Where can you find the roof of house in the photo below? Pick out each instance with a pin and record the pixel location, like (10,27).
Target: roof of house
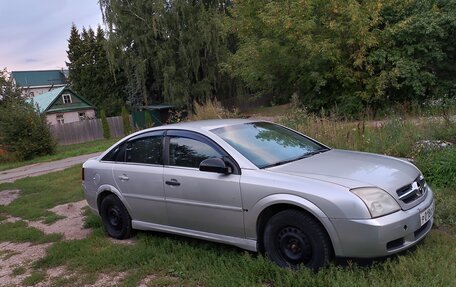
(39,78)
(46,101)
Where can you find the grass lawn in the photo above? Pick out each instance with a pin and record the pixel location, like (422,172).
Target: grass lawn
(63,152)
(170,260)
(176,261)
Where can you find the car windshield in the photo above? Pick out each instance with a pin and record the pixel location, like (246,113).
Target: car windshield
(266,144)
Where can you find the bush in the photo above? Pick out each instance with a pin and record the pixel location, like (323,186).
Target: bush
(23,132)
(104,123)
(148,119)
(126,121)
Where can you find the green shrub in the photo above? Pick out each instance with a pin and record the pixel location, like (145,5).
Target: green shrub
(148,119)
(439,167)
(104,123)
(126,121)
(23,132)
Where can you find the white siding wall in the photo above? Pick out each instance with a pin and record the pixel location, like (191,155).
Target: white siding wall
(70,117)
(38,91)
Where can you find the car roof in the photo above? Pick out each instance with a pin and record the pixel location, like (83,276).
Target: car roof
(206,125)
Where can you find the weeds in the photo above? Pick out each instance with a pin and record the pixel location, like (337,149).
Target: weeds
(211,109)
(34,278)
(395,137)
(18,271)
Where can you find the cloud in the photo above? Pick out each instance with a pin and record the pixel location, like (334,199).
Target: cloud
(35,33)
(32,60)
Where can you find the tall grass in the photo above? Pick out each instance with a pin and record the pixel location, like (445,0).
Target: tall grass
(395,136)
(211,109)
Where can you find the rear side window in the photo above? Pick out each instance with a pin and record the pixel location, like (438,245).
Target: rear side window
(146,150)
(117,154)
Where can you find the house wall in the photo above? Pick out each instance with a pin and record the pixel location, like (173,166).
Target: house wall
(38,90)
(70,117)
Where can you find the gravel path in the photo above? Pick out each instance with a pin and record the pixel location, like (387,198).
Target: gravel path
(42,168)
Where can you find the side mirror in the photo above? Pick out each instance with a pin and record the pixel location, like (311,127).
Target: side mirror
(214,164)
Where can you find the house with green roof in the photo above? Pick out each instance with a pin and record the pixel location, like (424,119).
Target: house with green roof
(63,105)
(38,82)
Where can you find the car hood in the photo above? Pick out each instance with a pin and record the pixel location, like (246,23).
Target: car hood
(353,169)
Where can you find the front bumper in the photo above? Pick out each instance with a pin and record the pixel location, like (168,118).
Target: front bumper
(383,236)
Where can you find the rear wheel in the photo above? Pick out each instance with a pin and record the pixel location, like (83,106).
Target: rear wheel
(115,217)
(293,239)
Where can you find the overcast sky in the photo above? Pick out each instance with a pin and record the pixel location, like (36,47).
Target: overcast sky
(34,33)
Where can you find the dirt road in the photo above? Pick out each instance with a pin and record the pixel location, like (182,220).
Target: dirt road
(42,168)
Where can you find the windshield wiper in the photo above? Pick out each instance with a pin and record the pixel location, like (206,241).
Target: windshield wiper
(315,152)
(309,154)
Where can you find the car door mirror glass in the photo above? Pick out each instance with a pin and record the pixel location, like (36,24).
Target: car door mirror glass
(214,164)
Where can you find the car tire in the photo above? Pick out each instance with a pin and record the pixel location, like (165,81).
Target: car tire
(293,239)
(115,217)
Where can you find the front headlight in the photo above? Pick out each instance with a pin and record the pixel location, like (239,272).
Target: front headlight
(378,201)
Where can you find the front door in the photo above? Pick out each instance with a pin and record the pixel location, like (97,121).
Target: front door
(197,200)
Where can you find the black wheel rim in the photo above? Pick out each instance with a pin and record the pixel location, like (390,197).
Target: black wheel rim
(114,217)
(294,246)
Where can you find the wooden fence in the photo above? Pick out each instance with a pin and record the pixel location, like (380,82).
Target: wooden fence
(84,131)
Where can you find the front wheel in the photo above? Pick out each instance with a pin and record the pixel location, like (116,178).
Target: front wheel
(293,239)
(115,217)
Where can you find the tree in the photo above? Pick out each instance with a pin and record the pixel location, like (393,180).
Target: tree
(126,121)
(23,131)
(90,72)
(75,56)
(346,53)
(170,50)
(105,125)
(8,91)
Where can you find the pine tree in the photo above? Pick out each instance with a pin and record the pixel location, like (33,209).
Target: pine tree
(105,125)
(126,121)
(90,72)
(74,53)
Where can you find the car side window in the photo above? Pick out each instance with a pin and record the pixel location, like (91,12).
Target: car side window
(117,154)
(146,150)
(188,152)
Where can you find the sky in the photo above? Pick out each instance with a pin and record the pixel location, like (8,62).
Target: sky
(34,33)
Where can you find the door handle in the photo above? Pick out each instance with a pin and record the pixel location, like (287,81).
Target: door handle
(172,182)
(123,177)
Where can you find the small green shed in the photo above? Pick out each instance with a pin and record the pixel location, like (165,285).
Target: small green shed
(159,115)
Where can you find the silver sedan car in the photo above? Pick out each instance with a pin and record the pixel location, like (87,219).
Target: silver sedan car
(262,187)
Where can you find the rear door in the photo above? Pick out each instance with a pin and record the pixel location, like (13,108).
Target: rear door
(197,200)
(140,177)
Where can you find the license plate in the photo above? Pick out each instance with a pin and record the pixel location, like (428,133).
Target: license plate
(426,215)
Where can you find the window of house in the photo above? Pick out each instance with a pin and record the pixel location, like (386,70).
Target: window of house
(60,119)
(82,116)
(189,152)
(66,98)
